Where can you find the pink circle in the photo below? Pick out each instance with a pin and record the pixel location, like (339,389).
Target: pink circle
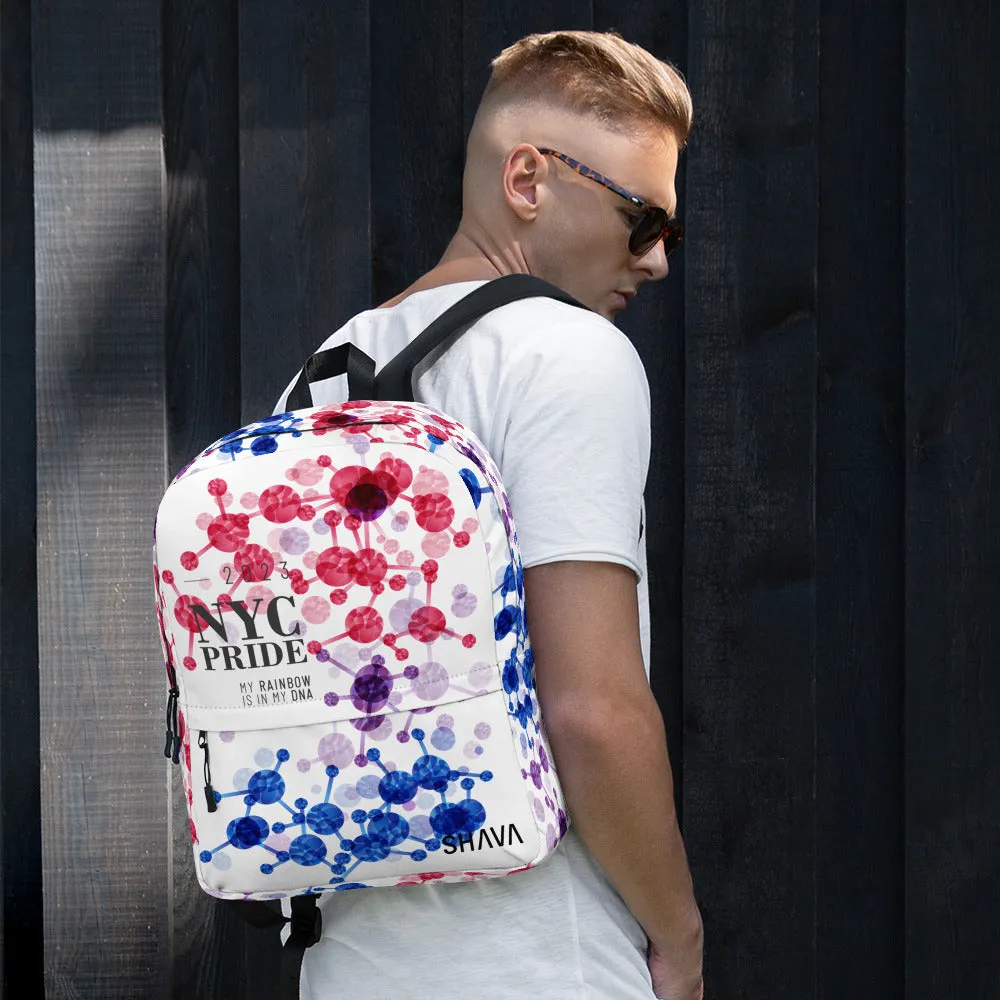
(227,532)
(279,504)
(391,547)
(405,558)
(370,567)
(335,566)
(249,501)
(364,624)
(433,511)
(185,616)
(307,472)
(310,559)
(470,525)
(202,521)
(315,610)
(436,545)
(258,592)
(426,624)
(430,481)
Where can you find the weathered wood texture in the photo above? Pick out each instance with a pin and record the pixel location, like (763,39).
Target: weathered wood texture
(859,499)
(218,186)
(749,514)
(20,816)
(952,509)
(100,399)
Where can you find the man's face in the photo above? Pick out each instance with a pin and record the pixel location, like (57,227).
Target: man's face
(582,243)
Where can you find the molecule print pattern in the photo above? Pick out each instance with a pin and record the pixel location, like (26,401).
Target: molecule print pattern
(340,598)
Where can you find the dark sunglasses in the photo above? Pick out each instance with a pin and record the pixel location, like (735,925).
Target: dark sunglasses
(651,226)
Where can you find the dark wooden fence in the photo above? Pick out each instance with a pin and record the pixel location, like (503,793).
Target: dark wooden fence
(195,192)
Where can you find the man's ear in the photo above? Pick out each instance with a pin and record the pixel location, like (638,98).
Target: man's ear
(524,170)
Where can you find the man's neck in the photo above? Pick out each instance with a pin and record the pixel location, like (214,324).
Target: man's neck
(464,260)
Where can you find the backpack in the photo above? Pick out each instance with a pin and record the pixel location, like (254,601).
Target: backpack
(351,689)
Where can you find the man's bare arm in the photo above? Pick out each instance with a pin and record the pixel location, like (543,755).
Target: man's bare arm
(601,719)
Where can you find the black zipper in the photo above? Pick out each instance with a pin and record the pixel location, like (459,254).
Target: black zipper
(172,746)
(207,770)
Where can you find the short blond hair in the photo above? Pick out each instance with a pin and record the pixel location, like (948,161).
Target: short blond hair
(595,73)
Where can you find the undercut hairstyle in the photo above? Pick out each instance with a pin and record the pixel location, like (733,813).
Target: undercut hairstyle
(594,73)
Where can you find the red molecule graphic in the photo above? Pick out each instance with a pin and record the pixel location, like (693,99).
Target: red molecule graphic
(217,487)
(364,624)
(168,576)
(332,518)
(189,560)
(324,461)
(468,641)
(184,615)
(364,492)
(426,624)
(279,504)
(397,582)
(189,663)
(461,539)
(338,596)
(434,511)
(228,531)
(253,563)
(397,469)
(369,567)
(306,512)
(329,419)
(336,566)
(351,523)
(314,647)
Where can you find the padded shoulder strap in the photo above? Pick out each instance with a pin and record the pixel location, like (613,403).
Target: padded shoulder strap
(395,381)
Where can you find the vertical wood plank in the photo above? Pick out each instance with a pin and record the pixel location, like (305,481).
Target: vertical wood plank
(304,183)
(201,152)
(20,819)
(749,584)
(654,322)
(489,27)
(859,503)
(99,301)
(952,841)
(210,946)
(417,139)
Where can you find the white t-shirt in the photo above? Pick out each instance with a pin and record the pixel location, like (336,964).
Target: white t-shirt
(560,399)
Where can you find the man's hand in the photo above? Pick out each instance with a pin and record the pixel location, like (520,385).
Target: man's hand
(670,983)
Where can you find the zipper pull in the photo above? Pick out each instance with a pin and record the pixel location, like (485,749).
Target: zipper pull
(209,791)
(169,748)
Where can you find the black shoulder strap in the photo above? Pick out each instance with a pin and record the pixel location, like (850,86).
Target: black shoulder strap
(306,928)
(395,380)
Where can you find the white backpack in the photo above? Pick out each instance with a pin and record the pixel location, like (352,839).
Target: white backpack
(340,597)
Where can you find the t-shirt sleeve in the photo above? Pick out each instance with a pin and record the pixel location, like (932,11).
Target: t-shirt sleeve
(576,446)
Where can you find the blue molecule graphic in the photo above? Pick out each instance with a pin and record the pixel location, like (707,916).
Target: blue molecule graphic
(324,818)
(247,832)
(266,787)
(317,828)
(397,787)
(307,850)
(432,773)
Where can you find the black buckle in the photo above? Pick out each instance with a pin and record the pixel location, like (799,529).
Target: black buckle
(306,922)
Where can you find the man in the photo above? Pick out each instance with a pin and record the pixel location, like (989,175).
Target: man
(560,399)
